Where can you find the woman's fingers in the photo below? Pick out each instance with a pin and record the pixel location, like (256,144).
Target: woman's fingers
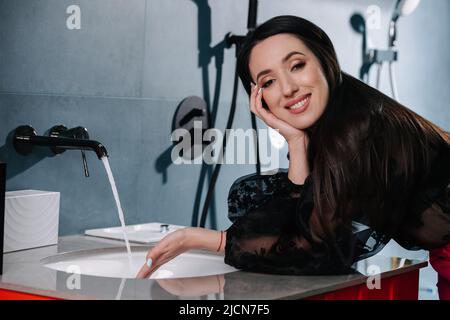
(253,95)
(263,113)
(151,263)
(144,272)
(257,108)
(166,249)
(163,258)
(146,269)
(285,129)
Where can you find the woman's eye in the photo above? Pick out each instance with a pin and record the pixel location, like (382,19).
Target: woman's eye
(267,83)
(298,66)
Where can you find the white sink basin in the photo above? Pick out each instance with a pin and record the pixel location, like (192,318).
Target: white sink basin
(114,263)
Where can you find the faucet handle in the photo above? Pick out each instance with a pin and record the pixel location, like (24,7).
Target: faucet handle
(74,133)
(85,166)
(21,140)
(56,131)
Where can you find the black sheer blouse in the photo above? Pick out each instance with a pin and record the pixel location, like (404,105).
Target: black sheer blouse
(275,230)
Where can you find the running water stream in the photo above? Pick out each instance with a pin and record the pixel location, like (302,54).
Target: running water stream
(119,206)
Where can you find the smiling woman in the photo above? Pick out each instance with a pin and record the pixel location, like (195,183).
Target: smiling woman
(292,79)
(356,155)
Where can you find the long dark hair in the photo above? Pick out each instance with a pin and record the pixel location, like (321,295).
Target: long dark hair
(367,151)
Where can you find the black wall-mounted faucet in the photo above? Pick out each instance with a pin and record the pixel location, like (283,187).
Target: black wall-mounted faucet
(59,140)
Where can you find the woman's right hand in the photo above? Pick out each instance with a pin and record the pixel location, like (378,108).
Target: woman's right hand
(180,241)
(291,134)
(169,247)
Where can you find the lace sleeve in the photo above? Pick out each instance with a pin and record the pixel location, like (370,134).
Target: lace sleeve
(280,236)
(251,191)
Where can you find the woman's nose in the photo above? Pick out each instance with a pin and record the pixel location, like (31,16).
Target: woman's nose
(288,86)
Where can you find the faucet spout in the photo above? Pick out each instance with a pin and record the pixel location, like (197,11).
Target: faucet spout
(64,143)
(25,138)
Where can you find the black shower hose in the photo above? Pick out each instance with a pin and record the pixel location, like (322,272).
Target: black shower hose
(218,165)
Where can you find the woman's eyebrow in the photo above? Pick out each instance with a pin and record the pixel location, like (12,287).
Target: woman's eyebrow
(290,54)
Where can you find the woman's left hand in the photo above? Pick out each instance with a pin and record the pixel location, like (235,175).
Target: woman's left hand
(291,134)
(168,248)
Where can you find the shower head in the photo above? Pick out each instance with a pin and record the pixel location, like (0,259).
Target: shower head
(404,8)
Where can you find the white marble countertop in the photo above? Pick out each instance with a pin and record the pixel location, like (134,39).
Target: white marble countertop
(23,271)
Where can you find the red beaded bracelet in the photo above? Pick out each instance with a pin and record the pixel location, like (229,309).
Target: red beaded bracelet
(221,239)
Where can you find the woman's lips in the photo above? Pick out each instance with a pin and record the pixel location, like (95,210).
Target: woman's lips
(301,108)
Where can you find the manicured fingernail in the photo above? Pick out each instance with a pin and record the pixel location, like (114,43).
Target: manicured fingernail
(260,90)
(149,262)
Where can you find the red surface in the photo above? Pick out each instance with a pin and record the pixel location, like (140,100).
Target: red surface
(440,261)
(16,295)
(401,287)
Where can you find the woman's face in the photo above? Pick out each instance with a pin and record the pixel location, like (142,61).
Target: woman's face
(294,86)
